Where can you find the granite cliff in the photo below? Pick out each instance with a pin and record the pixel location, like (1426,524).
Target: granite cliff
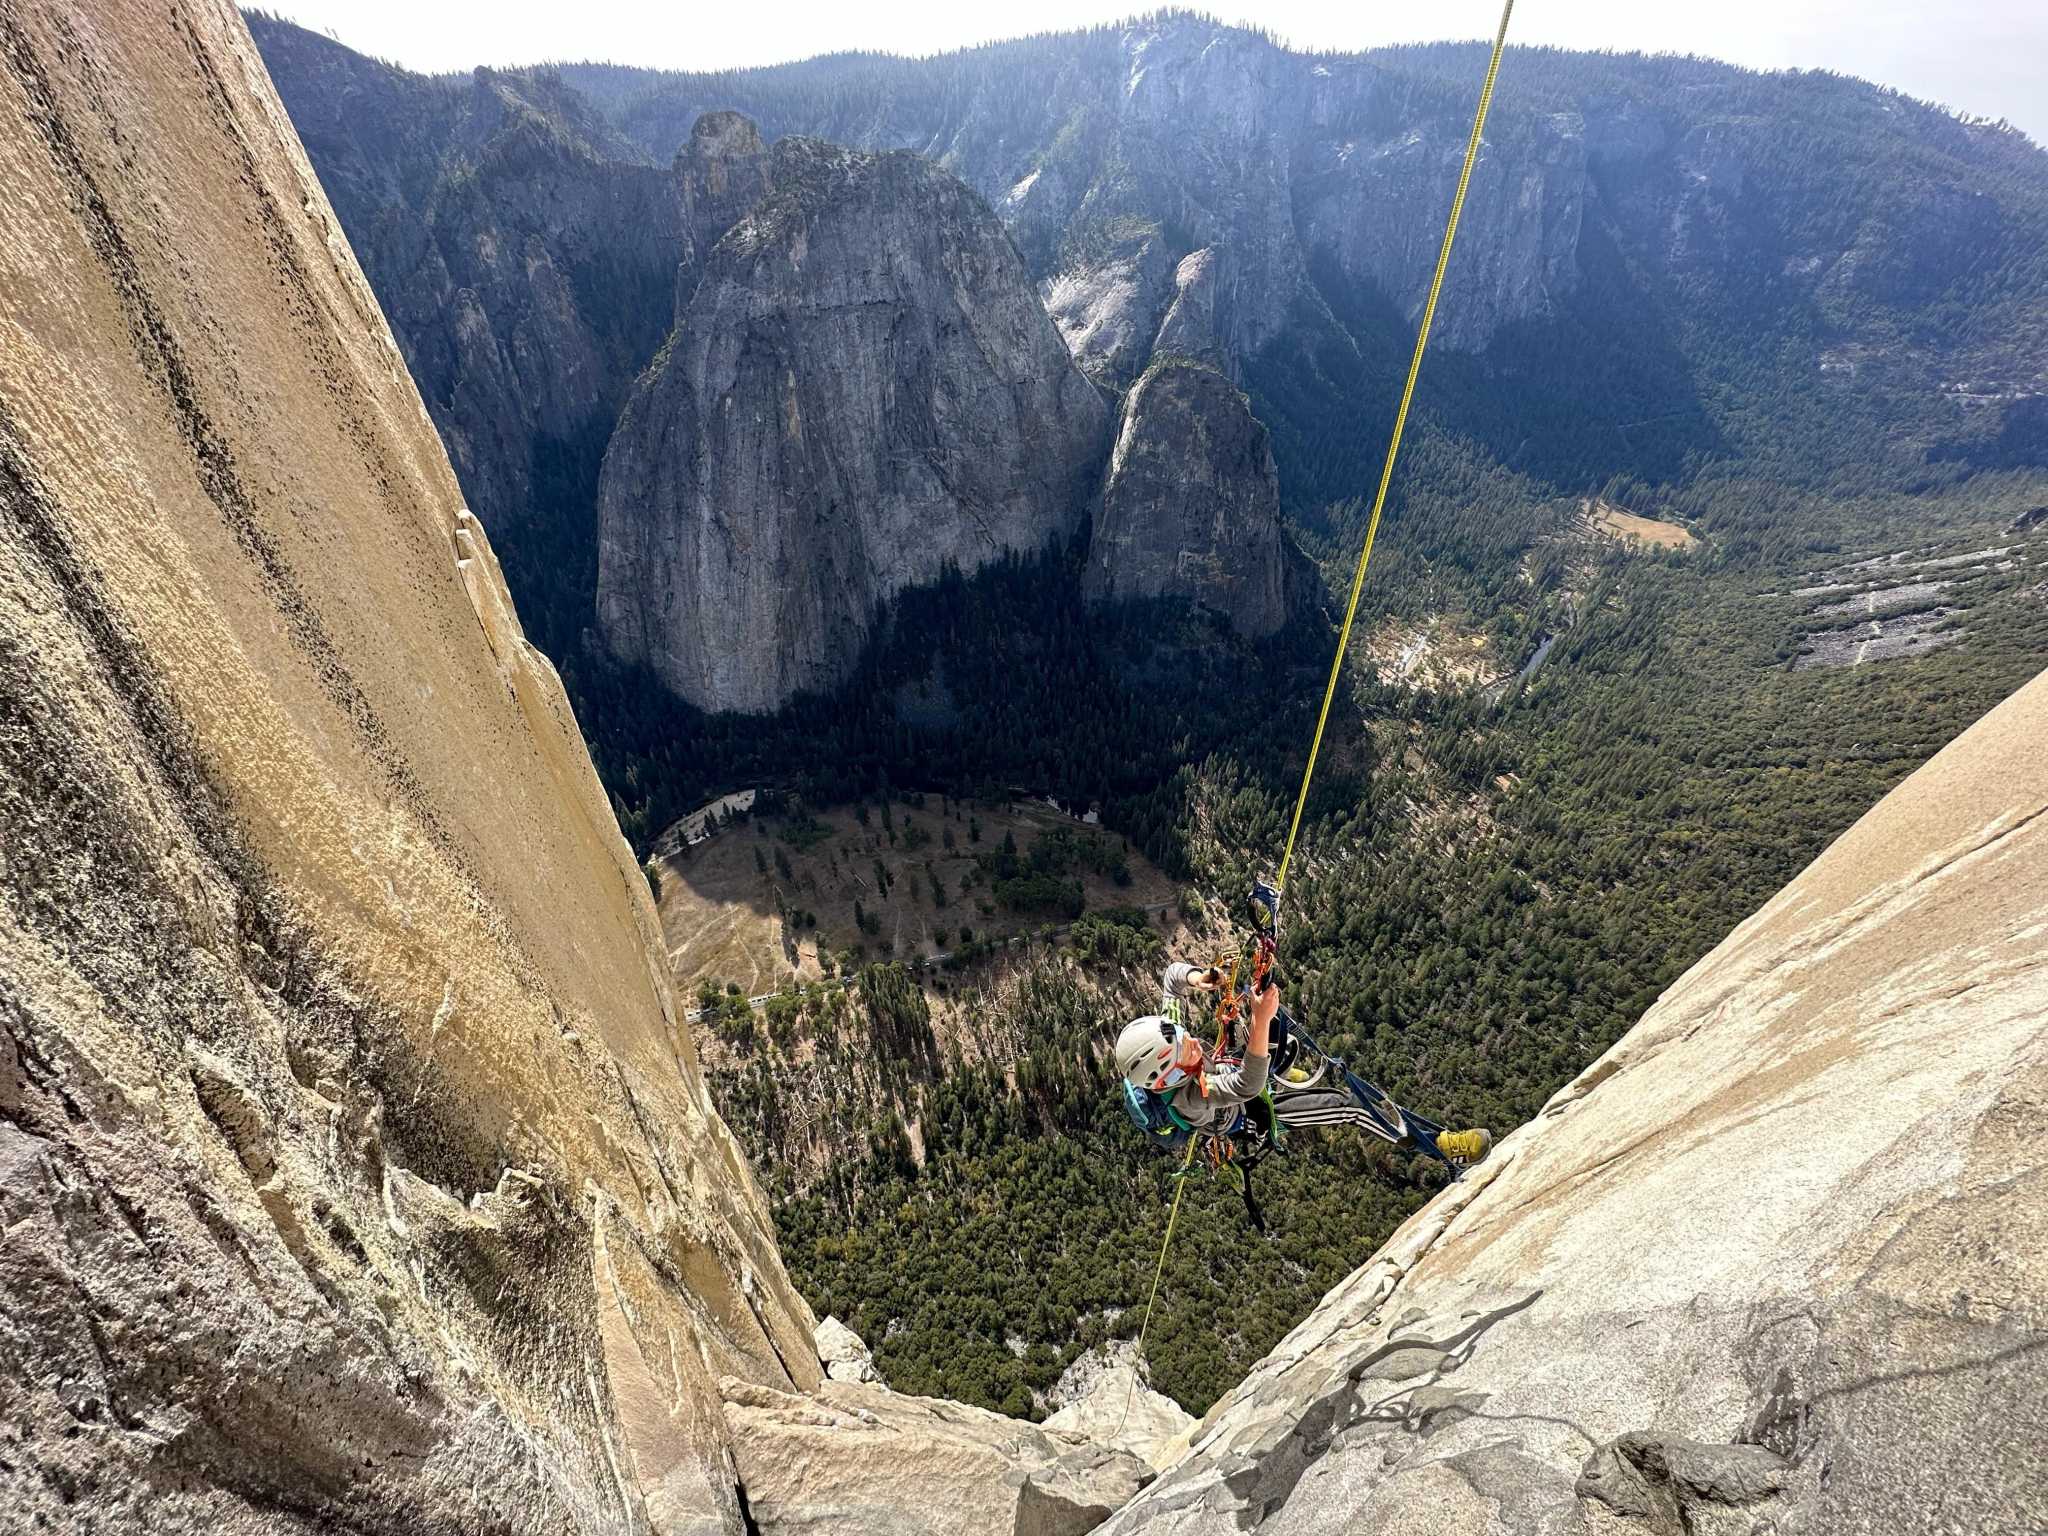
(1132,147)
(1711,213)
(524,254)
(355,1167)
(1773,1263)
(720,175)
(1191,505)
(861,392)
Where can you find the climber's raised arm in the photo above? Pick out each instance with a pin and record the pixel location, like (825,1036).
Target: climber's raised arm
(1182,979)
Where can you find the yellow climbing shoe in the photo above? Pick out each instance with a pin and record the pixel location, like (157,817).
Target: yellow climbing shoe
(1464,1147)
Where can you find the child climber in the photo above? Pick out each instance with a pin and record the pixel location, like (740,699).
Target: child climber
(1163,1059)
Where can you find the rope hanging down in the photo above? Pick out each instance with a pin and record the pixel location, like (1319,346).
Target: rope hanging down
(1372,528)
(1172,1215)
(1379,501)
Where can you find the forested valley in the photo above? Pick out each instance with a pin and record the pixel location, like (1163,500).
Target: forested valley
(1734,519)
(1497,881)
(1496,884)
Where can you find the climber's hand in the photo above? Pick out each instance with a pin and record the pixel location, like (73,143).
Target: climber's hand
(1265,1003)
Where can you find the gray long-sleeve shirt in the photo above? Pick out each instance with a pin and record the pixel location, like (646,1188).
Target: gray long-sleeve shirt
(1229,1087)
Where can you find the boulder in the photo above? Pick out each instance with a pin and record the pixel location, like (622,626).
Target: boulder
(844,1356)
(860,1460)
(1778,1261)
(1103,1398)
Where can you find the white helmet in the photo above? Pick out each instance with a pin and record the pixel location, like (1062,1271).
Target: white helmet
(1146,1048)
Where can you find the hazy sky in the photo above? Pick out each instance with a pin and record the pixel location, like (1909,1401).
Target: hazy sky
(1986,57)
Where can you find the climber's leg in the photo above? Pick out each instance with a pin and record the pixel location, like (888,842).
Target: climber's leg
(1333,1104)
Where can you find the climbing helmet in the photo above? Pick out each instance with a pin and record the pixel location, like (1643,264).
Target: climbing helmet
(1148,1053)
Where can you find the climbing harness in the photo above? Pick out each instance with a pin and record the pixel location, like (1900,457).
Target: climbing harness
(1265,897)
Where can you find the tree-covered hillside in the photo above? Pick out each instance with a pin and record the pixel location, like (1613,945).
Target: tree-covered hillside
(1493,892)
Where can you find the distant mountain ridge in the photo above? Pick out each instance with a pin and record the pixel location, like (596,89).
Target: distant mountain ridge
(1672,274)
(1895,251)
(1869,228)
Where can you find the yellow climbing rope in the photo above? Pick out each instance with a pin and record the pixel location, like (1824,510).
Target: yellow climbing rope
(1379,501)
(1172,1215)
(1372,528)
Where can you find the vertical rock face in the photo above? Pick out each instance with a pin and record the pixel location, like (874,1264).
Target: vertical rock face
(1138,303)
(1206,117)
(1190,156)
(1107,312)
(720,174)
(1778,1261)
(525,255)
(862,391)
(1372,206)
(1191,507)
(355,1170)
(1189,328)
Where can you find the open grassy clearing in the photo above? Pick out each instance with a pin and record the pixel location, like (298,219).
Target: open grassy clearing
(783,897)
(1436,654)
(1611,521)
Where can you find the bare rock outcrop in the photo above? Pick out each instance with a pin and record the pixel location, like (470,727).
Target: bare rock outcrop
(1102,1396)
(843,1354)
(720,175)
(1191,506)
(1189,328)
(862,392)
(1778,1261)
(1108,310)
(860,1460)
(356,1172)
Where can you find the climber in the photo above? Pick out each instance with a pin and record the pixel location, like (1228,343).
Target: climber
(1175,1088)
